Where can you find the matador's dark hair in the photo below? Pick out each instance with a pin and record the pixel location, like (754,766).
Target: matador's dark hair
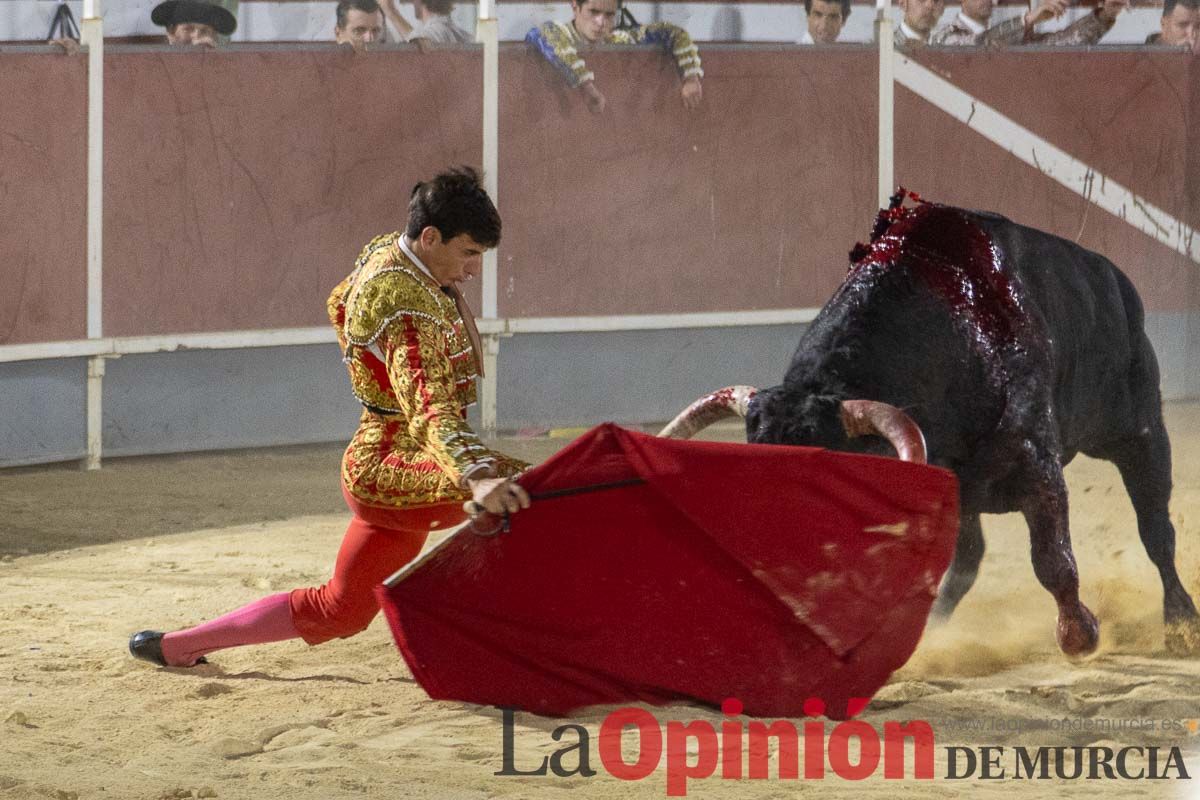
(454,202)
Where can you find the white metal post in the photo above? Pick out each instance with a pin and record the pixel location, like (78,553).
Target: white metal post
(887,168)
(487,33)
(487,386)
(92,35)
(95,417)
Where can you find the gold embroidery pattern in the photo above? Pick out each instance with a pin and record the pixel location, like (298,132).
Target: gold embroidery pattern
(384,466)
(408,354)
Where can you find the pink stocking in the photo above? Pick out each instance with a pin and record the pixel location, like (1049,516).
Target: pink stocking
(265,620)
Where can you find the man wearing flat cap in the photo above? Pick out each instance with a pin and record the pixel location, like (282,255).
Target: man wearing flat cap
(193,22)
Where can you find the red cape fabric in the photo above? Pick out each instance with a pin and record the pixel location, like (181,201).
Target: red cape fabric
(766,573)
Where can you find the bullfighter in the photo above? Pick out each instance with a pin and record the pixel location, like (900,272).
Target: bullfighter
(413,355)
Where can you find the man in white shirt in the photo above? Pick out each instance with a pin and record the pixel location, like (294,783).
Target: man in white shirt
(359,23)
(433,22)
(824,20)
(1180,25)
(920,17)
(971,25)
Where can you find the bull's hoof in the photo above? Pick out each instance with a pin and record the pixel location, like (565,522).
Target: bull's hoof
(1183,637)
(1078,631)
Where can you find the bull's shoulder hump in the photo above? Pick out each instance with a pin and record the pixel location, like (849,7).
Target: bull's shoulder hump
(1020,239)
(990,216)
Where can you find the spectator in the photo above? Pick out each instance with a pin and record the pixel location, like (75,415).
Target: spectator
(825,19)
(433,22)
(560,43)
(193,22)
(1180,25)
(359,23)
(970,27)
(920,17)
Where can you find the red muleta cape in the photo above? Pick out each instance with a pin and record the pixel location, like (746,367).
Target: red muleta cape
(767,573)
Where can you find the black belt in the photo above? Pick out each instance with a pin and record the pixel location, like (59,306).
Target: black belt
(381,412)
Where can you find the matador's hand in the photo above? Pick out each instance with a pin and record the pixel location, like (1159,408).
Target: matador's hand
(499,495)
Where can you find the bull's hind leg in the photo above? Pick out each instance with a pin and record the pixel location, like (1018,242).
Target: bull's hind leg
(1045,511)
(1145,465)
(968,552)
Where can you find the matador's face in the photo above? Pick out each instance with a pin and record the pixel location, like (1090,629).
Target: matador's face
(451,261)
(595,19)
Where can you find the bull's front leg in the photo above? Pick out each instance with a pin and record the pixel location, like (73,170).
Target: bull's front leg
(968,553)
(1045,512)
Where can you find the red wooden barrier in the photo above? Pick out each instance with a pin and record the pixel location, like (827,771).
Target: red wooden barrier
(1125,114)
(43,195)
(240,185)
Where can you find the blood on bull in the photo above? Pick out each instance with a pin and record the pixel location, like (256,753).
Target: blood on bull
(1006,351)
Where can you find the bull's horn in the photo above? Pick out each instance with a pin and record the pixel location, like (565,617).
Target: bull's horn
(732,401)
(866,417)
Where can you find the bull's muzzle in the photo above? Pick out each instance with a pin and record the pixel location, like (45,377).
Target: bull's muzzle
(859,418)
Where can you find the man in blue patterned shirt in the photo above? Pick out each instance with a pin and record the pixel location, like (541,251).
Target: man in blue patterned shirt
(593,23)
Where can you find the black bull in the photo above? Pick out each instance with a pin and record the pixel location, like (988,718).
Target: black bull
(1012,350)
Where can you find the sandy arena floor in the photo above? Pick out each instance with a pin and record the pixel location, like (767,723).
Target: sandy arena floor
(87,558)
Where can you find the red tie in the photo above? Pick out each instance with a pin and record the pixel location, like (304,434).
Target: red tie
(468,319)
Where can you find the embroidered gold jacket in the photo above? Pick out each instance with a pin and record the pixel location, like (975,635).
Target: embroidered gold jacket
(412,368)
(559,43)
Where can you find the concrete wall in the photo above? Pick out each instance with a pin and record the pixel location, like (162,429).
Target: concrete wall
(632,377)
(205,400)
(43,418)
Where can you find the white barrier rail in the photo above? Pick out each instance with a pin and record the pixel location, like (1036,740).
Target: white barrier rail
(1053,162)
(114,347)
(492,329)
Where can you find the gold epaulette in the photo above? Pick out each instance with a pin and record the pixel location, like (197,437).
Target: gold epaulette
(383,241)
(387,287)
